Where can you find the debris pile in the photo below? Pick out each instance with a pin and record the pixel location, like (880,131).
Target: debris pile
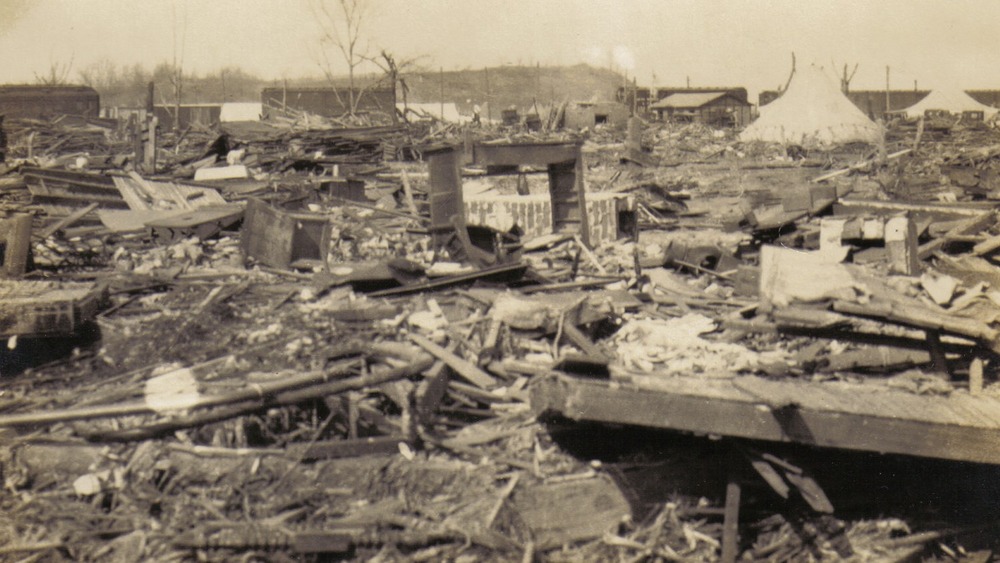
(288,338)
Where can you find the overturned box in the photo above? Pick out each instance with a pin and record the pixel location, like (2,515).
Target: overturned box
(281,239)
(39,308)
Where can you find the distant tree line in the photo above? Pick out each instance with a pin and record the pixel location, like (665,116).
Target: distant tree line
(126,85)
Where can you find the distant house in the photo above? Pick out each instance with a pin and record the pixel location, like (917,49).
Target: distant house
(34,101)
(327,101)
(190,114)
(590,114)
(738,91)
(718,109)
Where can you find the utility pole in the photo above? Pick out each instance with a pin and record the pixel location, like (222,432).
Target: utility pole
(635,95)
(489,104)
(538,79)
(887,107)
(442,93)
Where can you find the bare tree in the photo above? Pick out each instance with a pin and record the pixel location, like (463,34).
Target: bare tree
(58,73)
(341,24)
(845,79)
(177,74)
(394,73)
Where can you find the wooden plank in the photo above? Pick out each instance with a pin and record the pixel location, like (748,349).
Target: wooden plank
(15,245)
(987,246)
(732,412)
(66,221)
(860,206)
(463,368)
(526,154)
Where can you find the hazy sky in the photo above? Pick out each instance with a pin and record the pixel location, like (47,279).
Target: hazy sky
(714,42)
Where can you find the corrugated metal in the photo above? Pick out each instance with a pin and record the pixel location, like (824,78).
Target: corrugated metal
(533,214)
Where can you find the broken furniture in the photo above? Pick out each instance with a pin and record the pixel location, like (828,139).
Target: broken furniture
(283,239)
(568,209)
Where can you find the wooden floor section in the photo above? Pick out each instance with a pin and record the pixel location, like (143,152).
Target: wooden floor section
(857,416)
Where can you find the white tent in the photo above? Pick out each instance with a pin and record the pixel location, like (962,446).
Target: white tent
(812,111)
(951,100)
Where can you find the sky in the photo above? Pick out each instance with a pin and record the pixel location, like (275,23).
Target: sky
(660,42)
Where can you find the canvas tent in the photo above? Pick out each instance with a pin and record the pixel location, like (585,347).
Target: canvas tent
(812,111)
(951,100)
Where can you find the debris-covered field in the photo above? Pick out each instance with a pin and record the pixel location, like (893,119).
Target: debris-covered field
(303,339)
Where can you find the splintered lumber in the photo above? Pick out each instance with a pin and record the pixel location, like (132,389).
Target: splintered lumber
(104,411)
(923,318)
(969,226)
(463,368)
(859,166)
(333,449)
(288,397)
(848,415)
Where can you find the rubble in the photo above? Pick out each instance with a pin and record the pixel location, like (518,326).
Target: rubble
(300,337)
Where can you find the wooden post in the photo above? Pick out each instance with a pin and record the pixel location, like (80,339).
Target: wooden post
(901,244)
(938,358)
(442,93)
(731,522)
(149,137)
(888,107)
(489,105)
(976,376)
(149,155)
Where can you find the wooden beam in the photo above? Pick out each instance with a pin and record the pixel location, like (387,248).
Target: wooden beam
(467,370)
(889,421)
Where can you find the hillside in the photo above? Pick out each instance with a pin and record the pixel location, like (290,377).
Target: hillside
(518,86)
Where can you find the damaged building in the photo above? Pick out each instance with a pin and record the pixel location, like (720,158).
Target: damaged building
(38,101)
(329,101)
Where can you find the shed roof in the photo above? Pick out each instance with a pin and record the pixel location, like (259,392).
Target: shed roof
(686,100)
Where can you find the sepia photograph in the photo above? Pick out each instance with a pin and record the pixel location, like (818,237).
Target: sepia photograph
(474,281)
